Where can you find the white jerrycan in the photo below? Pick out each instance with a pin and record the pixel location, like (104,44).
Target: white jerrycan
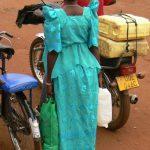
(104,107)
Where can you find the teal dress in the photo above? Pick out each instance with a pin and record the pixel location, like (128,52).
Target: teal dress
(75,74)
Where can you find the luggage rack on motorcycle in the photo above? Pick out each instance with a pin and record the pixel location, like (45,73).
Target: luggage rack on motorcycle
(118,62)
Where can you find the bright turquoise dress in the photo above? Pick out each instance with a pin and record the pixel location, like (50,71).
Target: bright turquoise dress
(75,74)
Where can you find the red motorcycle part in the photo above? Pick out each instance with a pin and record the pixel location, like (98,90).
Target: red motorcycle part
(127,69)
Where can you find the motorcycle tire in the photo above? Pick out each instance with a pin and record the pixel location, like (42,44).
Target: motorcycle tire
(124,112)
(36,46)
(120,104)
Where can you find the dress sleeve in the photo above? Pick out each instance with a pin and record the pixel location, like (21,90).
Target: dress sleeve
(93,34)
(51,30)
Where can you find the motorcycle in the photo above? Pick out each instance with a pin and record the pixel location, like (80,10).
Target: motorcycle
(118,75)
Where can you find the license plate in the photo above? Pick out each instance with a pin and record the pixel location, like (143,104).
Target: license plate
(127,82)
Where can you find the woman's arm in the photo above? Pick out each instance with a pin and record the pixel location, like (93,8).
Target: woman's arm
(95,52)
(51,59)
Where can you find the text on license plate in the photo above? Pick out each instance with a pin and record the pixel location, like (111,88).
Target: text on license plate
(127,82)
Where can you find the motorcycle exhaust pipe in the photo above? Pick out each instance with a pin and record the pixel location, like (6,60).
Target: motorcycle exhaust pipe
(133,99)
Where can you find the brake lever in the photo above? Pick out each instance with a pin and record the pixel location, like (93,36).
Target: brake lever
(6,33)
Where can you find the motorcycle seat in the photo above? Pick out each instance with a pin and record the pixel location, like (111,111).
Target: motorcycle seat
(7,50)
(13,82)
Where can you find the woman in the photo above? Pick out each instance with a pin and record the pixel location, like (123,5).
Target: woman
(72,67)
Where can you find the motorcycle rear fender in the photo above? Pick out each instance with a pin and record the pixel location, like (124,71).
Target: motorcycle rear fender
(40,35)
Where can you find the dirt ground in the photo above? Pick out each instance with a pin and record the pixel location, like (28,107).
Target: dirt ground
(135,135)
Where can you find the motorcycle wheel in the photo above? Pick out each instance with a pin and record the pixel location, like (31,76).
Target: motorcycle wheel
(35,57)
(123,106)
(120,107)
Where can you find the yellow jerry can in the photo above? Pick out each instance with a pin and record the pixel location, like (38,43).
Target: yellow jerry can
(113,49)
(115,27)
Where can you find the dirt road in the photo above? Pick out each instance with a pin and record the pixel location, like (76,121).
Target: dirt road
(135,135)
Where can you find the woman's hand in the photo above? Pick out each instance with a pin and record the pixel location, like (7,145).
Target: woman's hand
(49,89)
